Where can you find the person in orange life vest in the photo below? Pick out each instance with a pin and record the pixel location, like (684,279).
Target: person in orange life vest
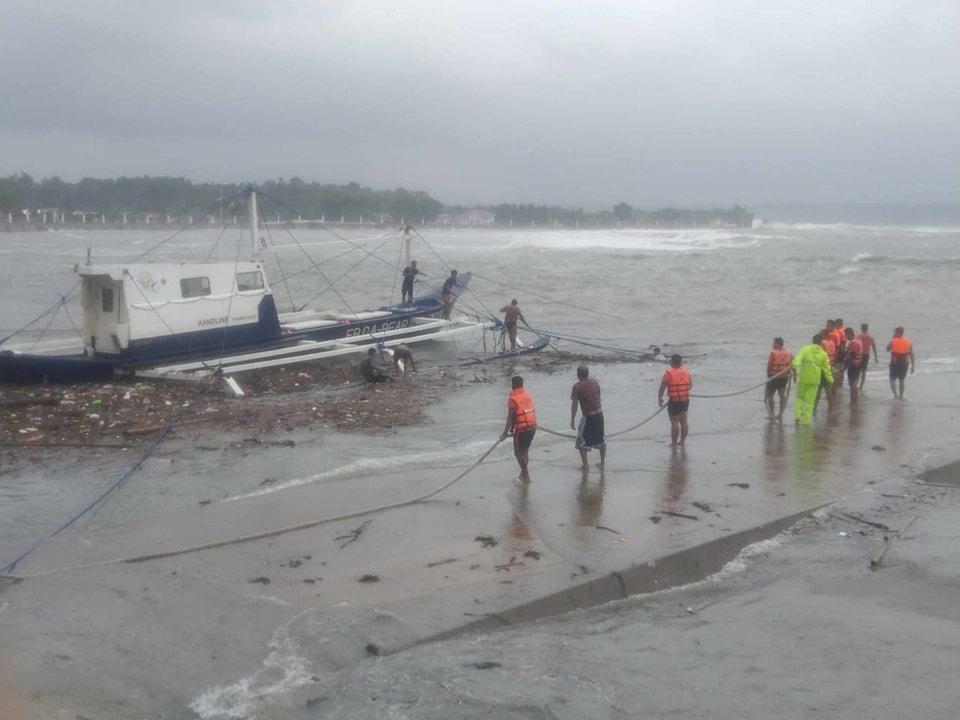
(868,344)
(676,381)
(522,421)
(840,340)
(829,345)
(853,361)
(901,355)
(779,371)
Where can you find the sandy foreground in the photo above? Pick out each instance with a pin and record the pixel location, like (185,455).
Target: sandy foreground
(177,637)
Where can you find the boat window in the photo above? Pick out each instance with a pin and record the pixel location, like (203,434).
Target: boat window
(195,287)
(250,280)
(107,298)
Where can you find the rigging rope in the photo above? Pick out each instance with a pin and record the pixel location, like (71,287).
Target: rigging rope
(550,299)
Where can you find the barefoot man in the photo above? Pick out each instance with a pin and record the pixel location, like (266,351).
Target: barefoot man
(586,395)
(901,356)
(522,420)
(677,383)
(778,375)
(868,344)
(511,314)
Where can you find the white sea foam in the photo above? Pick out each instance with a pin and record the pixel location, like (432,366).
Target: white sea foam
(849,269)
(638,239)
(284,670)
(371,466)
(739,564)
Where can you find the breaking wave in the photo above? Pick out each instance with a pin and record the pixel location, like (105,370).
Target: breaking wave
(371,466)
(639,240)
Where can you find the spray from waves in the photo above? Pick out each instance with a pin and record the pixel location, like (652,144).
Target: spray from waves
(849,269)
(283,671)
(372,466)
(872,229)
(637,240)
(738,565)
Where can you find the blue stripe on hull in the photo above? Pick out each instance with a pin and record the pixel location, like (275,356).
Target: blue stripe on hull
(208,344)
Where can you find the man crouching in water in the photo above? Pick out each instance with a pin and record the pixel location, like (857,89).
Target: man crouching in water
(522,421)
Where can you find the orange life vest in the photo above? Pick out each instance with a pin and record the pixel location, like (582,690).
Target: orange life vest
(900,346)
(839,338)
(830,346)
(678,383)
(778,361)
(524,416)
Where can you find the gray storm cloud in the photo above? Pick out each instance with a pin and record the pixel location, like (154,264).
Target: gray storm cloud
(558,102)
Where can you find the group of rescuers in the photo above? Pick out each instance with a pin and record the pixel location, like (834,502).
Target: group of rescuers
(816,368)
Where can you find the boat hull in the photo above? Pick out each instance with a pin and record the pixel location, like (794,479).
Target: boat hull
(29,368)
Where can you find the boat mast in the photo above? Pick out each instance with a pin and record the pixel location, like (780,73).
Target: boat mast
(253,222)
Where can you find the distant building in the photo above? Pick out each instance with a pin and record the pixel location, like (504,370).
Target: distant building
(475,217)
(478,216)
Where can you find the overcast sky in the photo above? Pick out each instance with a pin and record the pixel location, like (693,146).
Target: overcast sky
(573,103)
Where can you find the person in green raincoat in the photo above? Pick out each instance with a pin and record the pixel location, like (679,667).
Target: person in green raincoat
(811,363)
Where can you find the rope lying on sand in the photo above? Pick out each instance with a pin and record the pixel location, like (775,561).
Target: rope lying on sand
(309,523)
(259,535)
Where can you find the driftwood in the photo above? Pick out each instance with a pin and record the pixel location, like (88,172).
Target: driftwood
(877,559)
(676,514)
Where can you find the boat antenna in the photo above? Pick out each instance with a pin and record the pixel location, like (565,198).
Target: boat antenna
(253,222)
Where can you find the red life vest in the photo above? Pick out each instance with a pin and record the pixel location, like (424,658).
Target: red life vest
(524,416)
(854,355)
(678,383)
(830,346)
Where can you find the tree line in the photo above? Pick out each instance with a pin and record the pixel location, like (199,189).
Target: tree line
(287,199)
(179,196)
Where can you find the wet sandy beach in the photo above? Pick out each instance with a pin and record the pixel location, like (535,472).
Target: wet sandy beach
(153,638)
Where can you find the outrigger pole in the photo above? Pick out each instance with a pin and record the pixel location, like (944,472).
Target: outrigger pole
(254,222)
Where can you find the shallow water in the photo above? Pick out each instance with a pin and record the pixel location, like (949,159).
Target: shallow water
(718,295)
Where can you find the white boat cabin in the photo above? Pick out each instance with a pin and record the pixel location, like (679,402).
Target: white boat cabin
(126,304)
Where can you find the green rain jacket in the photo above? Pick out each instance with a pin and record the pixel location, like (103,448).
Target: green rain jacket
(812,362)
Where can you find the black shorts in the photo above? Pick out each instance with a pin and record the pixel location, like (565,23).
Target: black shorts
(866,361)
(406,288)
(853,374)
(511,326)
(777,383)
(675,407)
(590,432)
(898,372)
(523,439)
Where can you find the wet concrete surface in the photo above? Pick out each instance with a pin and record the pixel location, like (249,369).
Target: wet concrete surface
(148,639)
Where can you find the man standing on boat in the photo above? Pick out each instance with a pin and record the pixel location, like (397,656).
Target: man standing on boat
(522,421)
(446,294)
(511,314)
(586,395)
(409,277)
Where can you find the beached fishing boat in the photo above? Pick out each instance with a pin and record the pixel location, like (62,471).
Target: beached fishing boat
(212,316)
